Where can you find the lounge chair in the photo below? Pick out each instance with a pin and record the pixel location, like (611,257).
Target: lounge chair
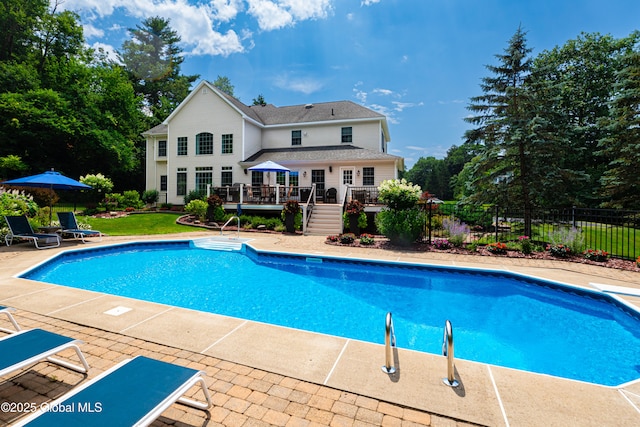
(69,225)
(25,348)
(19,228)
(7,311)
(133,393)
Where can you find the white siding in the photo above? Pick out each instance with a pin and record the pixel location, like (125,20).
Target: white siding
(365,135)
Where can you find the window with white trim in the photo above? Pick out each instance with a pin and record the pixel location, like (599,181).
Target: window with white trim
(204,177)
(227,143)
(204,143)
(181,182)
(182,146)
(226,176)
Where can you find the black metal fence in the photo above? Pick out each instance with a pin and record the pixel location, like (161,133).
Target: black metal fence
(613,230)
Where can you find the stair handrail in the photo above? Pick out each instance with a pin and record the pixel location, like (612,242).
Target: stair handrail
(227,223)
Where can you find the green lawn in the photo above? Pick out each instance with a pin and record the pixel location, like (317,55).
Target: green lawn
(137,224)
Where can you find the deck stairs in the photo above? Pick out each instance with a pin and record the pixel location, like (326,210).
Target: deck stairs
(326,219)
(219,244)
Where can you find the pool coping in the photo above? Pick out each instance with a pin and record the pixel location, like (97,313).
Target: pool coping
(490,395)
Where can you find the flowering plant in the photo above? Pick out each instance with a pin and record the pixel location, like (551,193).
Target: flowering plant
(525,244)
(559,250)
(497,248)
(291,207)
(398,194)
(333,238)
(366,239)
(638,262)
(596,255)
(441,244)
(354,207)
(347,238)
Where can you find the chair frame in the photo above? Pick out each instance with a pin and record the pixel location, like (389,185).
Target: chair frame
(45,354)
(176,396)
(31,235)
(75,231)
(7,311)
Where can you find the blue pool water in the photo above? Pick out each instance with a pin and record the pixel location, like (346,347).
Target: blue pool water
(497,318)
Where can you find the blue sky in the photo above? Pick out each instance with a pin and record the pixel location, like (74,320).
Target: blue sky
(416,61)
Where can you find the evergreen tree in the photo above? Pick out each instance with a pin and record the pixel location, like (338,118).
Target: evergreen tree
(504,124)
(152,59)
(224,84)
(621,186)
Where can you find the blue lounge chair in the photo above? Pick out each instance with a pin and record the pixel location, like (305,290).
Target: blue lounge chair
(70,226)
(25,348)
(19,228)
(7,311)
(133,393)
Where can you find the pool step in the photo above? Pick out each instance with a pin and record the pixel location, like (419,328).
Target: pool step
(218,245)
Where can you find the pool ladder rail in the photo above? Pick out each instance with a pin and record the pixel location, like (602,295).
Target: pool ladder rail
(389,340)
(447,350)
(237,218)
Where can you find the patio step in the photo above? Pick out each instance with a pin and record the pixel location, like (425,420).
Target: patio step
(218,245)
(326,219)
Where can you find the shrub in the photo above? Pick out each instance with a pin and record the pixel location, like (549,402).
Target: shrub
(569,237)
(525,244)
(354,207)
(559,250)
(596,255)
(398,194)
(99,183)
(366,239)
(150,196)
(131,199)
(194,195)
(197,207)
(497,248)
(456,230)
(291,207)
(401,227)
(441,244)
(347,238)
(362,220)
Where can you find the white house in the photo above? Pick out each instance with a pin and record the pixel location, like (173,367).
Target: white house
(212,138)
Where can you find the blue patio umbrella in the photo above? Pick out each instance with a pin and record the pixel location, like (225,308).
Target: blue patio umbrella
(49,179)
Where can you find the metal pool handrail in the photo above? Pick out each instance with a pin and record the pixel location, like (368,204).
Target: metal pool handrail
(447,350)
(227,223)
(389,340)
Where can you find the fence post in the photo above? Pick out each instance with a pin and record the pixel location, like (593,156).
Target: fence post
(430,217)
(573,216)
(497,221)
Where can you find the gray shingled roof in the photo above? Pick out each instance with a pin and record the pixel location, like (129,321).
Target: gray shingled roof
(325,111)
(328,153)
(156,130)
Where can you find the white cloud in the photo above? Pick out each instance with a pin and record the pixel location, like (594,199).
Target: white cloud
(91,31)
(401,106)
(305,85)
(385,92)
(275,14)
(226,10)
(368,2)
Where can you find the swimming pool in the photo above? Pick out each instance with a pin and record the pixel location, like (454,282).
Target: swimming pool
(498,318)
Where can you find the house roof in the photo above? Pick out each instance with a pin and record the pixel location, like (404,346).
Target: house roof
(161,129)
(308,113)
(324,154)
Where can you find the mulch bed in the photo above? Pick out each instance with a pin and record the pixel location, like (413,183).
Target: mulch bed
(616,263)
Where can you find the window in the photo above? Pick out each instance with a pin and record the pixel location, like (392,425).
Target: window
(227,144)
(162,148)
(347,134)
(181,182)
(368,177)
(204,143)
(163,182)
(296,137)
(204,177)
(256,179)
(226,178)
(182,146)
